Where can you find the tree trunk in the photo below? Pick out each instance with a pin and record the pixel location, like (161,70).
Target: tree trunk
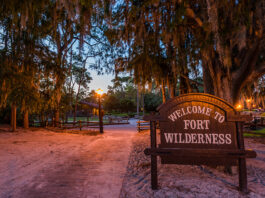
(26,119)
(143,102)
(57,117)
(163,89)
(66,117)
(57,110)
(172,90)
(137,100)
(14,117)
(184,85)
(76,98)
(75,109)
(216,80)
(207,79)
(263,102)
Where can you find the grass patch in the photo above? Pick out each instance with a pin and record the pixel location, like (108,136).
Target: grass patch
(252,135)
(260,131)
(71,119)
(255,133)
(118,114)
(91,119)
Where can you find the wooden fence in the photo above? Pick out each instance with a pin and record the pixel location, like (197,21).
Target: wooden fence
(256,122)
(79,124)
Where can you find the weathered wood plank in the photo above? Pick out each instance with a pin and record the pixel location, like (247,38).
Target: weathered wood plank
(199,129)
(153,157)
(154,118)
(238,118)
(212,153)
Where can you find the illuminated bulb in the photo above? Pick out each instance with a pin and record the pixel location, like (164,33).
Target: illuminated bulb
(239,106)
(99,91)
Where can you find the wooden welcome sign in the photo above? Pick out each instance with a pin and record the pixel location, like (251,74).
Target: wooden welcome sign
(199,129)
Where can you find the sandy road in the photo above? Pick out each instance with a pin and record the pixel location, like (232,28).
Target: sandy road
(44,164)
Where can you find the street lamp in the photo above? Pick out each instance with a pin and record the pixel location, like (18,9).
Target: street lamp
(99,92)
(249,103)
(239,107)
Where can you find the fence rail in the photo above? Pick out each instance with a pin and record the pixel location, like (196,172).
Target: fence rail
(256,122)
(143,125)
(78,124)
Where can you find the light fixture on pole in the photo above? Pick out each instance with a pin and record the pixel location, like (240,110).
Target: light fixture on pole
(100,92)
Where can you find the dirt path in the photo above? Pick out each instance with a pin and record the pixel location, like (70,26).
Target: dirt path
(44,164)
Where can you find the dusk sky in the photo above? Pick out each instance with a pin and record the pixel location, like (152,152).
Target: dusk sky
(100,81)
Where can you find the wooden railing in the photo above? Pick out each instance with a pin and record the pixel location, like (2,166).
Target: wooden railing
(256,122)
(78,124)
(143,125)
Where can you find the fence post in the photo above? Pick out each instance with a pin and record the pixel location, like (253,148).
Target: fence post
(153,157)
(241,161)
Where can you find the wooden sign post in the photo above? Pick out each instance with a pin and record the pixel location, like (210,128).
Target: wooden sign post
(199,129)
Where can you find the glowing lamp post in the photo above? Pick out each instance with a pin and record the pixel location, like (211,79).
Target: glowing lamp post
(99,92)
(239,107)
(249,103)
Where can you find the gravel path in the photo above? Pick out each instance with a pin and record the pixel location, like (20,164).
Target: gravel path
(45,164)
(190,181)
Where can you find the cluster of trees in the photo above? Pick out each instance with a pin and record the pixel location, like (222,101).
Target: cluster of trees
(124,96)
(175,42)
(44,49)
(121,97)
(178,46)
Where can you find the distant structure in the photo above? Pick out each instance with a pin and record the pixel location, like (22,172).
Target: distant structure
(92,108)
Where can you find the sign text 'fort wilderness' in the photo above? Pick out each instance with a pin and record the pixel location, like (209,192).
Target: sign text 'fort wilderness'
(199,129)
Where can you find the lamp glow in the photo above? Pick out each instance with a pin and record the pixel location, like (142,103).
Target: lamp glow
(99,91)
(239,106)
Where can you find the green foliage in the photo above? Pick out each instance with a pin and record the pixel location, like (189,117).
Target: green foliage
(45,46)
(127,105)
(152,101)
(111,103)
(122,97)
(256,133)
(36,40)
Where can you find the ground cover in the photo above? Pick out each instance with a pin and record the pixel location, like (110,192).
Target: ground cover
(191,181)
